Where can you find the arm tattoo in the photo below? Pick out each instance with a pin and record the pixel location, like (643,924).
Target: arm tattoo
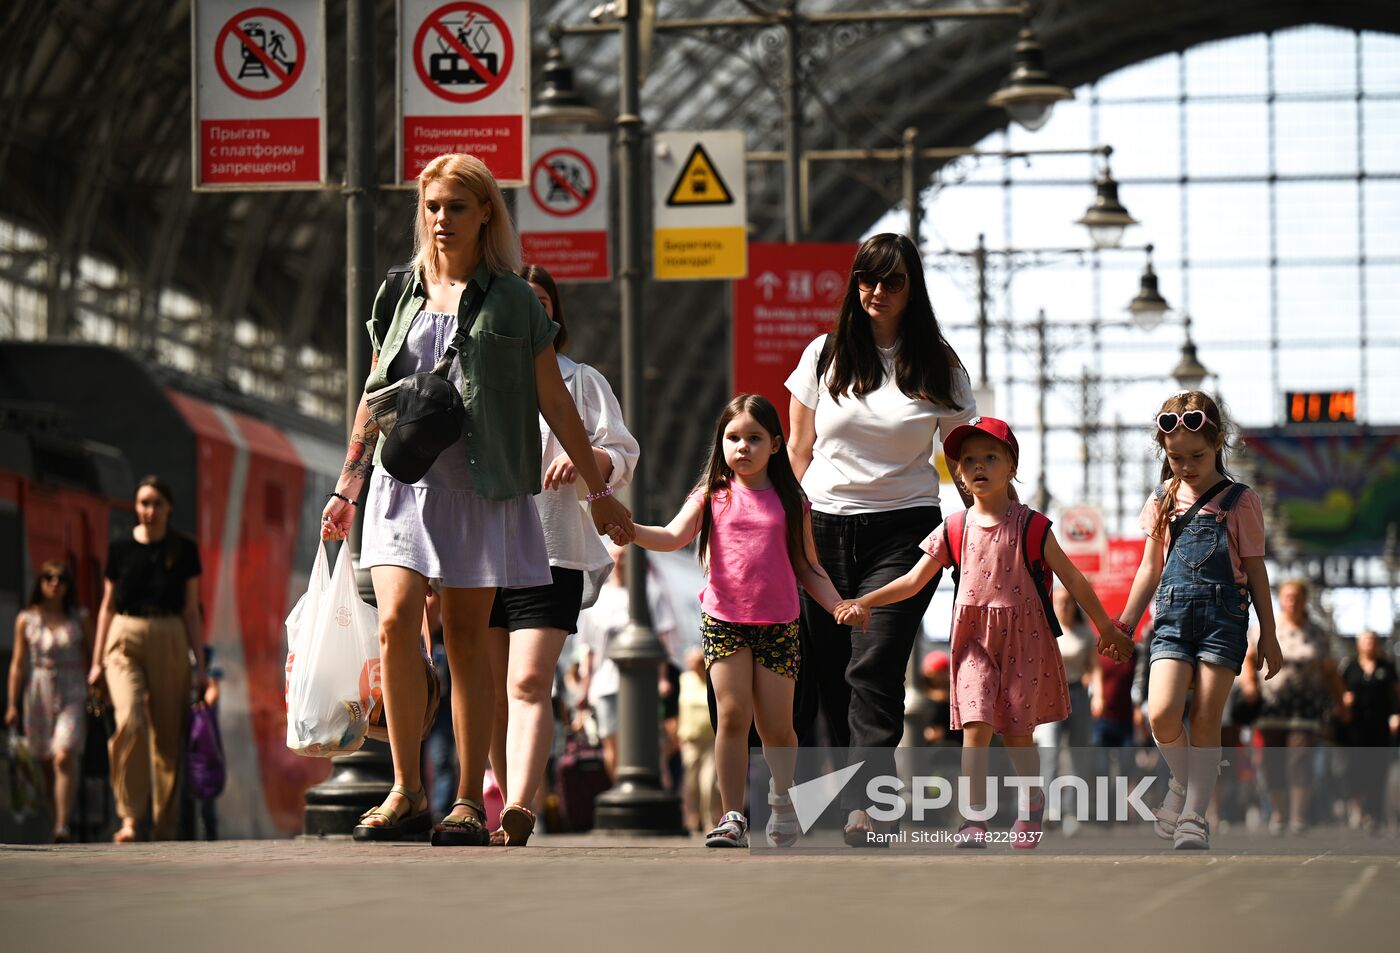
(361,453)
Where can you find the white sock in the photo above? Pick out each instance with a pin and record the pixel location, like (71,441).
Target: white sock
(1177,756)
(1205,768)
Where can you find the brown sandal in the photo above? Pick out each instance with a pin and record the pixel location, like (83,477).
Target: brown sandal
(518,823)
(468,830)
(393,824)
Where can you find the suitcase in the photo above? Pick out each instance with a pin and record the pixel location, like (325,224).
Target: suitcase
(580,776)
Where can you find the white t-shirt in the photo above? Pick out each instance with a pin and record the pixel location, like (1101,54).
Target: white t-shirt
(569,534)
(874,453)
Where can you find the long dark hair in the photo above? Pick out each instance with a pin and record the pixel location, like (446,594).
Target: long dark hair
(1216,430)
(70,591)
(717,475)
(545,280)
(924,366)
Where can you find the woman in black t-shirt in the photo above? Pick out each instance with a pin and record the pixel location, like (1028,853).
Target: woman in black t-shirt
(147,627)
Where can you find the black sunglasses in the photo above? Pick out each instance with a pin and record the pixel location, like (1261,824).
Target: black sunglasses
(55,577)
(893,283)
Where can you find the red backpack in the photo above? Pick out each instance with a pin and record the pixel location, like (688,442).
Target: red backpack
(1033,534)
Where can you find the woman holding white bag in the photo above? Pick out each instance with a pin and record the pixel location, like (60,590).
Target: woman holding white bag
(467,523)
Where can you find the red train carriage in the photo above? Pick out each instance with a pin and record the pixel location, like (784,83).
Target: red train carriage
(81,423)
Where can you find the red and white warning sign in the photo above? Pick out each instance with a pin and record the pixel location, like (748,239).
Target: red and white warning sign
(259,76)
(563,215)
(792,294)
(1083,536)
(464,81)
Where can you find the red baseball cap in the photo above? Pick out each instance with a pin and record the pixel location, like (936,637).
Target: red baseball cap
(991,426)
(935,662)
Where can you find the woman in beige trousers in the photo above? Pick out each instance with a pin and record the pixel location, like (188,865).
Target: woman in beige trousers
(147,629)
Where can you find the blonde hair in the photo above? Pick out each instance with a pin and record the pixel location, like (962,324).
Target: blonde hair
(500,245)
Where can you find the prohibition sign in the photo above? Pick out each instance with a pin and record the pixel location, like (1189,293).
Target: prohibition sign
(577,193)
(286,79)
(476,63)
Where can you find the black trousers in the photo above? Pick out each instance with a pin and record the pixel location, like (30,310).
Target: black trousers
(856,678)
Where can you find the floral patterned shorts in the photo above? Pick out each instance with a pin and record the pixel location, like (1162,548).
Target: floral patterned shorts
(775,646)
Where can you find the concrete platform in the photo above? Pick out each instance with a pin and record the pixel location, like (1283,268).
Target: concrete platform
(595,893)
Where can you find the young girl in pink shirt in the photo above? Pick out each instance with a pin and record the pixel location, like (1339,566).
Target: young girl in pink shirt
(755,530)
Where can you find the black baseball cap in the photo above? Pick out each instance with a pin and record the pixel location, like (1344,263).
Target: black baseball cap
(429,420)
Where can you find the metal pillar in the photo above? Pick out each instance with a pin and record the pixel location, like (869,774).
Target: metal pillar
(1042,386)
(360,780)
(982,324)
(911,184)
(792,126)
(359,197)
(637,803)
(1086,408)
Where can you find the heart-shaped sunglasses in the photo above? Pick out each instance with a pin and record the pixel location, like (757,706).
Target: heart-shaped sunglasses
(1192,420)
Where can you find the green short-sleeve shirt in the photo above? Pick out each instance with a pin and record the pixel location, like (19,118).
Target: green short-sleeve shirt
(501,435)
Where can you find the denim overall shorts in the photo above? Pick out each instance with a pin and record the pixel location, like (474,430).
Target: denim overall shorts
(1201,612)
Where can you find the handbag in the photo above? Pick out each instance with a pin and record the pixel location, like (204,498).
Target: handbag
(383,404)
(1241,711)
(378,723)
(208,770)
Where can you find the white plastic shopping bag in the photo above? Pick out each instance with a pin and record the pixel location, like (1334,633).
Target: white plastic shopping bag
(336,663)
(303,619)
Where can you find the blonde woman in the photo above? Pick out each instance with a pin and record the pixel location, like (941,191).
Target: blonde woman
(469,524)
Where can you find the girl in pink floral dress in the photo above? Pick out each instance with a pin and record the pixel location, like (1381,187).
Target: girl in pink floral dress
(1008,676)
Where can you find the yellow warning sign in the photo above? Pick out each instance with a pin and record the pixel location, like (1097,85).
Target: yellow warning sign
(699,182)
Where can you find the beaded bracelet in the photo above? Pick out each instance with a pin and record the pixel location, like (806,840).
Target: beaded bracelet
(341,496)
(605,491)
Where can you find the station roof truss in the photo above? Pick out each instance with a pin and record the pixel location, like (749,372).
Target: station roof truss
(95,166)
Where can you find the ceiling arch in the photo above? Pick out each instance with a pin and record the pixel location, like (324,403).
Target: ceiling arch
(94,151)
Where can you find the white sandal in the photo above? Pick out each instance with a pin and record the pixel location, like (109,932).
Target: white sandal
(1192,833)
(731,831)
(782,832)
(1168,813)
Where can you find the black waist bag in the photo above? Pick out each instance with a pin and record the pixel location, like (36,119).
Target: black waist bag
(427,413)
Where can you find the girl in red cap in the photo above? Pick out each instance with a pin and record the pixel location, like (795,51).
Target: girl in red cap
(1007,674)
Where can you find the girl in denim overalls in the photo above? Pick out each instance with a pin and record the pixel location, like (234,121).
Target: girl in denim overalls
(1204,560)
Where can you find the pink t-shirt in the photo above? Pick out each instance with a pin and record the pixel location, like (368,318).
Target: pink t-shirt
(751,580)
(1244,525)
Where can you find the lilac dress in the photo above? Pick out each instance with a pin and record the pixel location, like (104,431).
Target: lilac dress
(439,527)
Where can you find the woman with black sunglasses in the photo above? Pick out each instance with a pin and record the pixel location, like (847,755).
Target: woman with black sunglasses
(53,640)
(868,402)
